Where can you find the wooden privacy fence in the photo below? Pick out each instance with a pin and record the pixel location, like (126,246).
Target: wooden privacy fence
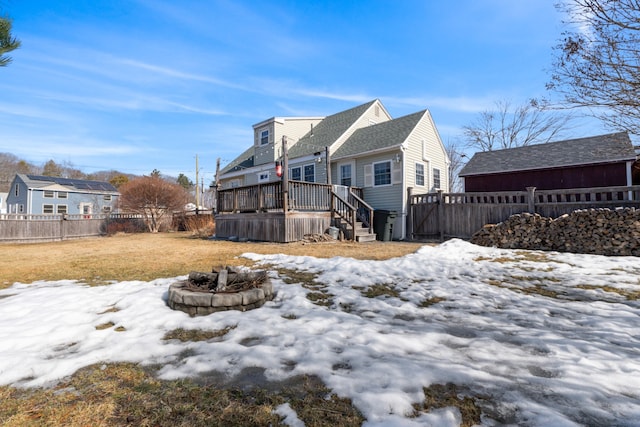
(47,228)
(446,215)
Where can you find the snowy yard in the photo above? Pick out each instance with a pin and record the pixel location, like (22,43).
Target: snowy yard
(539,339)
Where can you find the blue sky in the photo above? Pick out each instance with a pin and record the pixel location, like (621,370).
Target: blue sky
(149,84)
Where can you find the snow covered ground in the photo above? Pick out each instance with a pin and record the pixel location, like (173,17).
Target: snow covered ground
(569,357)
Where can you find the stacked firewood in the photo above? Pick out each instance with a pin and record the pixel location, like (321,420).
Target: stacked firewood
(589,231)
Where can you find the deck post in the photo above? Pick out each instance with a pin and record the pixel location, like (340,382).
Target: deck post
(441,219)
(285,175)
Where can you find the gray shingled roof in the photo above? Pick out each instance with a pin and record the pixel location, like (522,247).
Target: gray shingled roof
(608,148)
(243,161)
(84,185)
(328,131)
(379,136)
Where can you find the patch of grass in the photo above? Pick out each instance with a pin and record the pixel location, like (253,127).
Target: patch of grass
(143,256)
(125,394)
(120,329)
(113,309)
(185,335)
(379,290)
(629,295)
(289,316)
(431,301)
(106,325)
(320,298)
(533,289)
(445,395)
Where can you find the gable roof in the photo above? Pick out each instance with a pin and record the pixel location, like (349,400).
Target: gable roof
(81,185)
(243,161)
(328,131)
(615,147)
(387,134)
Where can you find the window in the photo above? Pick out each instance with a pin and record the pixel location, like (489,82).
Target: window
(310,173)
(47,209)
(106,209)
(345,175)
(419,174)
(62,209)
(296,174)
(382,173)
(21,208)
(436,178)
(263,176)
(16,190)
(48,194)
(107,197)
(264,137)
(62,194)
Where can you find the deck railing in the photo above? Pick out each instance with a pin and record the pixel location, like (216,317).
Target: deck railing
(301,196)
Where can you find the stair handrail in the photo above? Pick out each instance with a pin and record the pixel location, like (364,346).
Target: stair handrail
(363,210)
(345,211)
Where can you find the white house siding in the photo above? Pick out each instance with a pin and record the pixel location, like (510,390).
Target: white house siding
(387,197)
(424,146)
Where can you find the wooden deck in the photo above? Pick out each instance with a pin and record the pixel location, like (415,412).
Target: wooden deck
(275,212)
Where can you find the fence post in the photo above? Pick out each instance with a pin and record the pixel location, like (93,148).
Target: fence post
(441,214)
(410,213)
(531,199)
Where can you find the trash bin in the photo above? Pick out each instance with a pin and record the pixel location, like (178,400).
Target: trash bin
(334,232)
(383,224)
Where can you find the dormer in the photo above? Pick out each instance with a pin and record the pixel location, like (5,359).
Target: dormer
(267,136)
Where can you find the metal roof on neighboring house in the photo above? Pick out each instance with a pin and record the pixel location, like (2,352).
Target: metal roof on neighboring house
(615,147)
(82,185)
(379,136)
(328,131)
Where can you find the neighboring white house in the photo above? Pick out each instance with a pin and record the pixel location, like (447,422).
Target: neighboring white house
(366,148)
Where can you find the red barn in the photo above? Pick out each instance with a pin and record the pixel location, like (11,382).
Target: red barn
(598,161)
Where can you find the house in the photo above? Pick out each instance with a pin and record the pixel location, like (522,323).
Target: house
(360,148)
(37,195)
(597,161)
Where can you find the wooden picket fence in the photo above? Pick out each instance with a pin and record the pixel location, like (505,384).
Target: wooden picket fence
(447,215)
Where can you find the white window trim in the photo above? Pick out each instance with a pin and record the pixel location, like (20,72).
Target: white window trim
(353,170)
(264,176)
(373,173)
(107,197)
(51,208)
(434,178)
(63,194)
(424,175)
(296,167)
(66,209)
(304,175)
(260,137)
(48,194)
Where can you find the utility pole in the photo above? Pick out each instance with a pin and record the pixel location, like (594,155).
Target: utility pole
(285,175)
(197,189)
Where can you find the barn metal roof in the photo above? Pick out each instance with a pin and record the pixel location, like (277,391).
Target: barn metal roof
(609,148)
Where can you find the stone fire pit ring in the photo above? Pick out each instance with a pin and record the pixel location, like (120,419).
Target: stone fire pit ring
(183,297)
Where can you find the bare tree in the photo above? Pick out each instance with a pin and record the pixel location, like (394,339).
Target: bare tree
(152,197)
(456,159)
(597,63)
(507,127)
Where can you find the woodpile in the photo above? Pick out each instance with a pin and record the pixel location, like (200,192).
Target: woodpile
(589,231)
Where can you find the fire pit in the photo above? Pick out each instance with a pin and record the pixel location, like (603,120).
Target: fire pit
(225,288)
